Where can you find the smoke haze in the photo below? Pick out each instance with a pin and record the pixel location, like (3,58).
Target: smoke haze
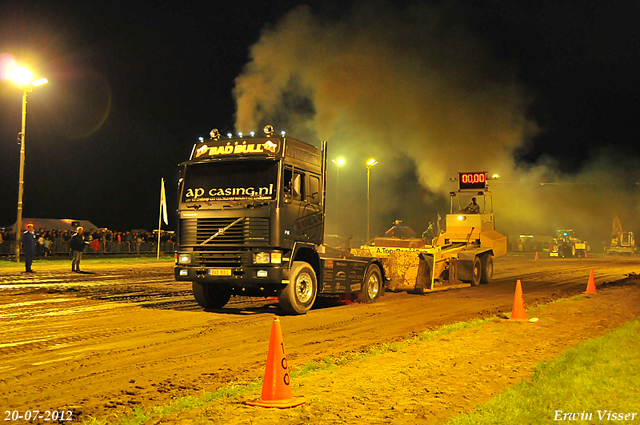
(415,90)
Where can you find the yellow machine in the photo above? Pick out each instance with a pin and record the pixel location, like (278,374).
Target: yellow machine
(464,252)
(621,242)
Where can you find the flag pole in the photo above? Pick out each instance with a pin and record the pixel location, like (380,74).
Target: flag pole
(160,215)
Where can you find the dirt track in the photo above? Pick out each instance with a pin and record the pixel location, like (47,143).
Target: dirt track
(128,335)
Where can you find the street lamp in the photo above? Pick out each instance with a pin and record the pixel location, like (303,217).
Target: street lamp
(339,162)
(370,163)
(24,78)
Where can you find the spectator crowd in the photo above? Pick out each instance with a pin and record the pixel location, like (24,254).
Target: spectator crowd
(101,241)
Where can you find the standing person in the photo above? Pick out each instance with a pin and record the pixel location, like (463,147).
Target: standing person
(47,247)
(77,244)
(28,247)
(429,234)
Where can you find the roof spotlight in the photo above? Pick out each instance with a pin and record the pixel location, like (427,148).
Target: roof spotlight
(240,134)
(252,133)
(201,139)
(229,135)
(268,130)
(282,133)
(215,134)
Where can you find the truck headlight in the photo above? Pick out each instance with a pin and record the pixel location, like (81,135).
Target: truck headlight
(184,258)
(262,258)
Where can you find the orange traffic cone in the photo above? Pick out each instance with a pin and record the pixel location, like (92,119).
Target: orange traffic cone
(518,314)
(276,385)
(591,286)
(585,253)
(536,255)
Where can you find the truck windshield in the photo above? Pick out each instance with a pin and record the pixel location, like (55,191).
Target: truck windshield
(231,181)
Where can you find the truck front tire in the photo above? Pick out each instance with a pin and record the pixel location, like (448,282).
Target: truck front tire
(211,295)
(300,294)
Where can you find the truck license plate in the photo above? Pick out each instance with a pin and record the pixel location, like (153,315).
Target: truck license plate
(219,272)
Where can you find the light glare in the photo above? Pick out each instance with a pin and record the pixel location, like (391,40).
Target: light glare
(21,75)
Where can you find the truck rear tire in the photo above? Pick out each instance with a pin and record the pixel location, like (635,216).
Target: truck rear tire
(486,262)
(372,285)
(211,295)
(300,294)
(477,272)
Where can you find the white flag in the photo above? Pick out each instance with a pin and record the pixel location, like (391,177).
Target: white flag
(163,203)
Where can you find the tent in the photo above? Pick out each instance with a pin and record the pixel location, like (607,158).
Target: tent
(56,224)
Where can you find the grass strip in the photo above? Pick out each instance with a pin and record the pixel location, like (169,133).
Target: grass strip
(89,259)
(108,259)
(596,381)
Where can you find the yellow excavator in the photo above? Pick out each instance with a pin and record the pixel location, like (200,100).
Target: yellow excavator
(621,242)
(461,254)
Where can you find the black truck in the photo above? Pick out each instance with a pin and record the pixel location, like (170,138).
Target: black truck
(251,223)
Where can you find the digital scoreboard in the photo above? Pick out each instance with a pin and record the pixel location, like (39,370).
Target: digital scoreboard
(474,180)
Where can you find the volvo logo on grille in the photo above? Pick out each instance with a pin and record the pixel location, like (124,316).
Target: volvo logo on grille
(221,231)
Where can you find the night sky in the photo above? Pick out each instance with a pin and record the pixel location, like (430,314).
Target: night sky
(132,85)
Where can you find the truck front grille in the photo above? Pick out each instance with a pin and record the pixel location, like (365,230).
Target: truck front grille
(216,259)
(220,232)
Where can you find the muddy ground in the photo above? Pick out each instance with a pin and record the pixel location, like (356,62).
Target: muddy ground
(127,335)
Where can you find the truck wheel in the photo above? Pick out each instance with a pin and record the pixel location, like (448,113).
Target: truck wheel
(299,295)
(372,285)
(486,262)
(477,272)
(211,295)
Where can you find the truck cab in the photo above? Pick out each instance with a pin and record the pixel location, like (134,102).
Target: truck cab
(251,222)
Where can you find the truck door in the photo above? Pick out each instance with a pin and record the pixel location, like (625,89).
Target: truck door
(302,205)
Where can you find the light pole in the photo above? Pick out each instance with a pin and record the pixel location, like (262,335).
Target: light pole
(370,163)
(339,162)
(24,78)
